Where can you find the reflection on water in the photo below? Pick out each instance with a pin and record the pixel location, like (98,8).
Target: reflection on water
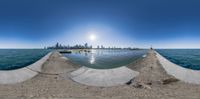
(103,59)
(92,59)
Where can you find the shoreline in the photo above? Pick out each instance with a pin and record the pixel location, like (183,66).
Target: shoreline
(54,82)
(103,77)
(184,74)
(23,74)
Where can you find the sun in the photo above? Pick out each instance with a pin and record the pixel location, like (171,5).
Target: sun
(92,37)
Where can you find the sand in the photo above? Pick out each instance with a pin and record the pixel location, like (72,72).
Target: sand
(54,83)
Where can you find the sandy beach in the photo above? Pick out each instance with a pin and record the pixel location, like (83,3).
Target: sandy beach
(54,83)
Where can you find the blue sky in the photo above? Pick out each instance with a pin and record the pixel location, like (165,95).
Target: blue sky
(135,23)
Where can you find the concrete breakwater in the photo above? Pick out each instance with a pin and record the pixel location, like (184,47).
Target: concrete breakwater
(181,73)
(22,74)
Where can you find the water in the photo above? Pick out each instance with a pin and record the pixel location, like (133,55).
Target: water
(188,58)
(17,58)
(105,59)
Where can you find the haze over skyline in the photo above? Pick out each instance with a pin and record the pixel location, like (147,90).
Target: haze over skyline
(121,23)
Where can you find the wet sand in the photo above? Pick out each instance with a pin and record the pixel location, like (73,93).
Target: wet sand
(54,83)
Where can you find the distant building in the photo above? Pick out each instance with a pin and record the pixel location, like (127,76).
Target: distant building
(102,47)
(86,45)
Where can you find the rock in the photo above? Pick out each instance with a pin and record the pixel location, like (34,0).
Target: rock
(169,80)
(149,83)
(129,82)
(141,85)
(137,85)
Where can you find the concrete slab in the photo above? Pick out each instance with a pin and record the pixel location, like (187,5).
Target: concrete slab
(22,74)
(181,73)
(103,77)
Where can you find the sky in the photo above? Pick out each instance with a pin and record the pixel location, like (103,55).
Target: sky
(120,23)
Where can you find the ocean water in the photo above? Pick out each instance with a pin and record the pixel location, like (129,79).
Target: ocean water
(17,58)
(105,59)
(188,58)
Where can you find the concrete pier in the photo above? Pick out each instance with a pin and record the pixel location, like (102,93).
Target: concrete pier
(181,73)
(22,74)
